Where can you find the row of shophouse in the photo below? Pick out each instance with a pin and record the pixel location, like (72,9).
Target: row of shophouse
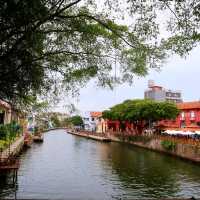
(188,118)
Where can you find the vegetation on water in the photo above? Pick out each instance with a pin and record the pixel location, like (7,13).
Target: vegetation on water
(168,145)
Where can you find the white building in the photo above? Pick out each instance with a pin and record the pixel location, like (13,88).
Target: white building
(90,120)
(158,93)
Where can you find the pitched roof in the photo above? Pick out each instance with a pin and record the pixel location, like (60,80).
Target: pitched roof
(95,114)
(189,105)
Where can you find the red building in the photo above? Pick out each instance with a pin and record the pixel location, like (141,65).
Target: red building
(189,117)
(129,128)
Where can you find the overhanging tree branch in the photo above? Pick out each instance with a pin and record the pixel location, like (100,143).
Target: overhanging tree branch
(104,24)
(52,53)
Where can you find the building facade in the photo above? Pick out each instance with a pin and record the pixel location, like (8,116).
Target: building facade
(101,125)
(5,112)
(189,117)
(158,93)
(9,114)
(91,120)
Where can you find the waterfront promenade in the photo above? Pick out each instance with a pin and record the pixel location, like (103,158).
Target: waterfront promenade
(94,136)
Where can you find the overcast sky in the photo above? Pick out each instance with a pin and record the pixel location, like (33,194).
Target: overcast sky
(177,74)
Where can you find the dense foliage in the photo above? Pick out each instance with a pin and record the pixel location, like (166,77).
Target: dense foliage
(45,44)
(55,121)
(141,111)
(76,120)
(8,133)
(173,24)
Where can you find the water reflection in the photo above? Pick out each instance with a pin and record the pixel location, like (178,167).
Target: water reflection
(151,175)
(8,189)
(142,173)
(70,167)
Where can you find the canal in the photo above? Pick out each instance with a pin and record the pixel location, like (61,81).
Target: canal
(71,167)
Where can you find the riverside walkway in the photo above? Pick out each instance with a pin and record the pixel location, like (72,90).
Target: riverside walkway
(90,135)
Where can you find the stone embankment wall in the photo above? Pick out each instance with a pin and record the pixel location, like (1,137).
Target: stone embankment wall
(15,148)
(90,135)
(184,150)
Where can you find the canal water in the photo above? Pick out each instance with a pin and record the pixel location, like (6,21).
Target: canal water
(72,167)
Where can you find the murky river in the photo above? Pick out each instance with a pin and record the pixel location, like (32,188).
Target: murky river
(75,168)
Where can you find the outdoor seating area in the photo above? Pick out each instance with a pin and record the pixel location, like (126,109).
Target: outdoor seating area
(180,133)
(183,137)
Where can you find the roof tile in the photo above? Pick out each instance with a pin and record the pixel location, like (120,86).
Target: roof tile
(189,105)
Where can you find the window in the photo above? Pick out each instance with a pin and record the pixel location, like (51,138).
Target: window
(168,94)
(182,115)
(192,114)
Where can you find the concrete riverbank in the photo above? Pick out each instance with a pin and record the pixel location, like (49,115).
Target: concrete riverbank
(186,151)
(91,136)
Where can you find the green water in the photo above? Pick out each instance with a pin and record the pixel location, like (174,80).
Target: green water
(71,167)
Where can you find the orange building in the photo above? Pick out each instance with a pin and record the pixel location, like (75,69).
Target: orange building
(189,117)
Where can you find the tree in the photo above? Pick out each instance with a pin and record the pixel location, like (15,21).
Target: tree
(43,42)
(141,112)
(174,24)
(56,122)
(66,122)
(76,120)
(20,75)
(64,43)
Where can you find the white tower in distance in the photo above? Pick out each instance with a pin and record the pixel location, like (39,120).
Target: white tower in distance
(151,83)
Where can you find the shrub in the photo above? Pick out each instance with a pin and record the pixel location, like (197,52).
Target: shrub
(9,131)
(168,145)
(134,138)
